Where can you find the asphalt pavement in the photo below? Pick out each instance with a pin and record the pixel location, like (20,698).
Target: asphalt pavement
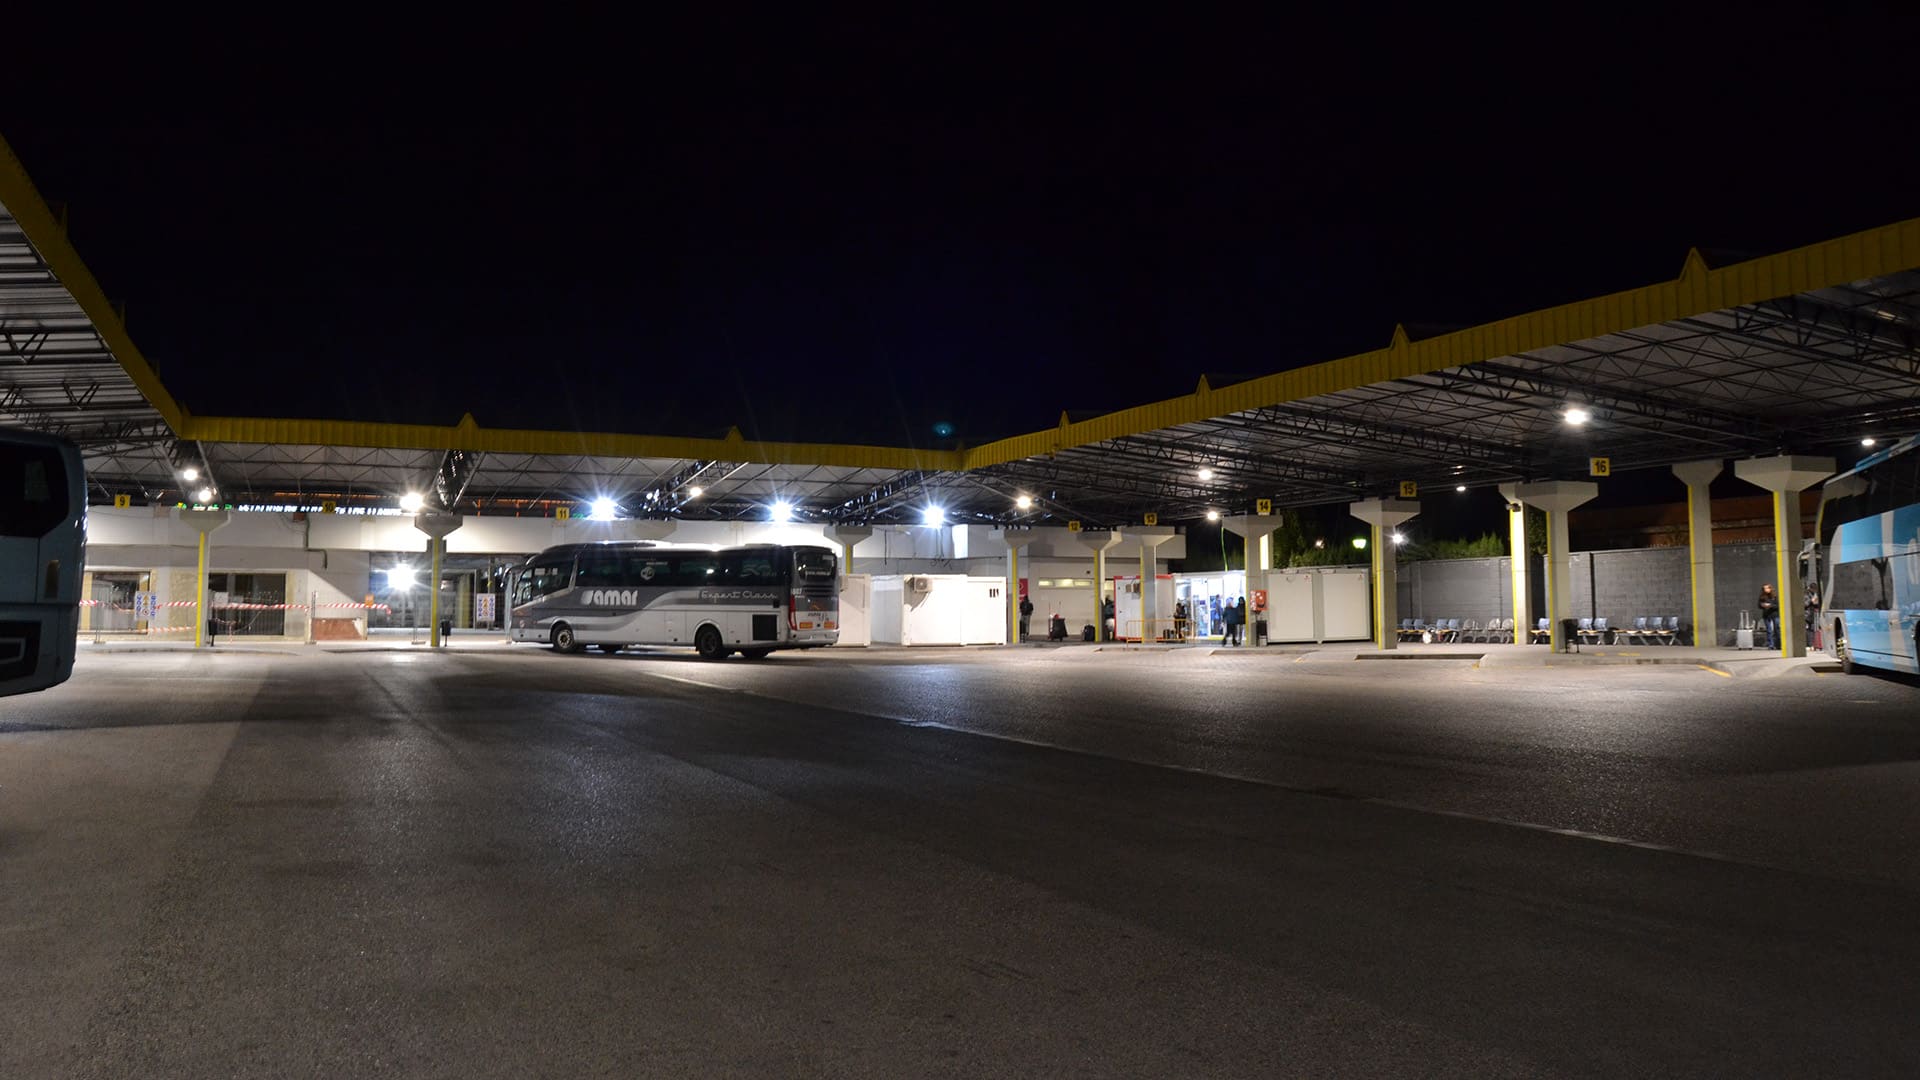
(1012,862)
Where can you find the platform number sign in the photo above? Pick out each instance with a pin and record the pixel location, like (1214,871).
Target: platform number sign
(1149,518)
(1263,507)
(562,514)
(121,502)
(1409,489)
(328,506)
(1599,466)
(1073,526)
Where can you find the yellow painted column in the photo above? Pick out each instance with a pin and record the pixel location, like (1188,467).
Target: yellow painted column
(1100,597)
(1380,585)
(1522,588)
(1786,562)
(1146,582)
(433,603)
(1554,643)
(1013,594)
(200,597)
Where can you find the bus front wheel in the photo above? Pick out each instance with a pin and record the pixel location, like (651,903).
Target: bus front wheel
(708,644)
(563,639)
(1840,650)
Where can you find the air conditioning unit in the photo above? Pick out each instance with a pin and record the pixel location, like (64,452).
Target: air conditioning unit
(919,583)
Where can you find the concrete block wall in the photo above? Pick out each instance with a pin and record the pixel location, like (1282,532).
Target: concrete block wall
(1477,589)
(1619,585)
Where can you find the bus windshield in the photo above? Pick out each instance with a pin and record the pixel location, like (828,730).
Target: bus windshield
(542,579)
(42,544)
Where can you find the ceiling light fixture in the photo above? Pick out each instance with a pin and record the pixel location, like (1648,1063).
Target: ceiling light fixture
(412,501)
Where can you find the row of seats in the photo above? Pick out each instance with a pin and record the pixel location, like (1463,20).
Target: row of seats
(1646,630)
(1496,631)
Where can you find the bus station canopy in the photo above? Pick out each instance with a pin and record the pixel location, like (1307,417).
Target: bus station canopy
(1805,351)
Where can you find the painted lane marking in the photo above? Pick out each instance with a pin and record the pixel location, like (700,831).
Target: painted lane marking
(1716,671)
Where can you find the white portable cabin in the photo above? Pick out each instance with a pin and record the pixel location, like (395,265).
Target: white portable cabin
(1319,604)
(1127,613)
(856,610)
(938,609)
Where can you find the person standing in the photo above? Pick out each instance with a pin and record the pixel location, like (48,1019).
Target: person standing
(1229,629)
(1026,616)
(1239,620)
(1769,606)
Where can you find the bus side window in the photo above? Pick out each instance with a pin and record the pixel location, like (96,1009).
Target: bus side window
(695,571)
(601,569)
(756,568)
(1860,586)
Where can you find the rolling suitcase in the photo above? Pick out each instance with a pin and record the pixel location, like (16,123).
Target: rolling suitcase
(1743,637)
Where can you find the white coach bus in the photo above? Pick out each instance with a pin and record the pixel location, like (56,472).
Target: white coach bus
(750,600)
(43,534)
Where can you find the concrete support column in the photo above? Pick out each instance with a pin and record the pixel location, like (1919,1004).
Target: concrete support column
(1385,515)
(1014,541)
(1557,498)
(1099,543)
(1256,544)
(203,522)
(1699,476)
(1149,537)
(437,527)
(1520,563)
(847,536)
(1787,476)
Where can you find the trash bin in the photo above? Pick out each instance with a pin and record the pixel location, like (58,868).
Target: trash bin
(1259,631)
(446,629)
(1569,635)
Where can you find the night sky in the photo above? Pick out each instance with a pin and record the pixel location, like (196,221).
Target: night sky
(850,231)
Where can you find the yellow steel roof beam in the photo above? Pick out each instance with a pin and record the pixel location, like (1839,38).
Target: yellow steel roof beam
(467,435)
(44,232)
(1873,253)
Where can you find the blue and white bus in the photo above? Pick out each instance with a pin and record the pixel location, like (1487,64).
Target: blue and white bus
(43,535)
(1869,531)
(750,600)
